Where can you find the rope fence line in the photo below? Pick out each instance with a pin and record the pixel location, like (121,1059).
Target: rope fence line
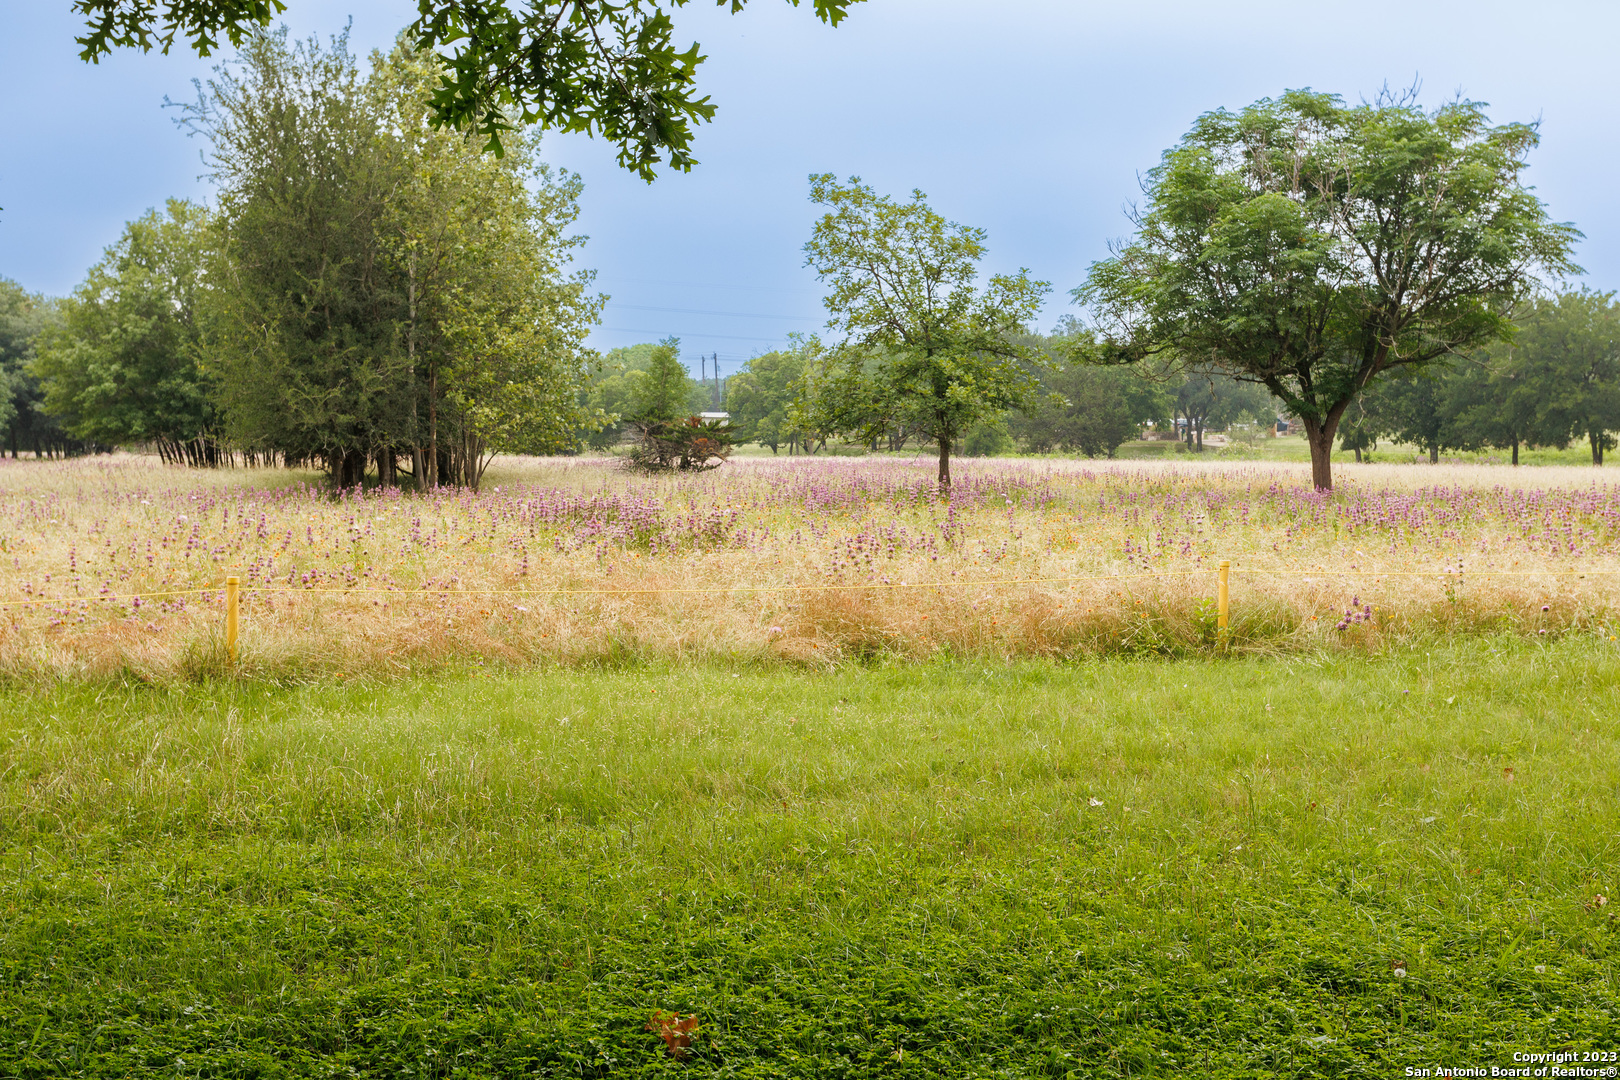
(1223,570)
(233,591)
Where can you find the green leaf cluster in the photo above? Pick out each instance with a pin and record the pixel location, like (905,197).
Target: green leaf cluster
(1555,381)
(24,319)
(382,291)
(607,67)
(1085,406)
(121,364)
(1314,247)
(923,348)
(761,397)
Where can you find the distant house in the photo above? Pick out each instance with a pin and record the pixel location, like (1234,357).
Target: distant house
(715,417)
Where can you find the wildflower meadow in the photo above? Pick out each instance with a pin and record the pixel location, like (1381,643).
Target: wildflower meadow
(119,564)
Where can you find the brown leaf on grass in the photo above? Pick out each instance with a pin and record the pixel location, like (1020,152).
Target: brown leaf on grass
(1507,772)
(676,1031)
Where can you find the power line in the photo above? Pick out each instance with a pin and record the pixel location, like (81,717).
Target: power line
(696,335)
(707,285)
(727,314)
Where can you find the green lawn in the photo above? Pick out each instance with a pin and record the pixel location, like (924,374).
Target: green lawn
(1292,867)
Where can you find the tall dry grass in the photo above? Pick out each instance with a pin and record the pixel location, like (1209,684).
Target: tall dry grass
(800,560)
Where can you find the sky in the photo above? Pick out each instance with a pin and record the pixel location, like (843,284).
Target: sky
(1032,119)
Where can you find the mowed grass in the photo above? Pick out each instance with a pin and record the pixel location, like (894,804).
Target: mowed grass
(1306,866)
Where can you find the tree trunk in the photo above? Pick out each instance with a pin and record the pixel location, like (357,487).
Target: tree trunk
(1515,451)
(1319,437)
(944,464)
(1200,435)
(433,427)
(1434,454)
(1596,438)
(354,468)
(1358,455)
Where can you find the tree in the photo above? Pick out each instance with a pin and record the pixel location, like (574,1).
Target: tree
(309,320)
(1566,356)
(597,66)
(20,321)
(1206,398)
(1358,430)
(1485,403)
(1085,406)
(120,366)
(1411,407)
(664,391)
(668,436)
(611,387)
(24,318)
(383,289)
(760,397)
(1313,248)
(923,347)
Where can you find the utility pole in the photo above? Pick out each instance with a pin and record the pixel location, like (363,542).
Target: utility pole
(719,404)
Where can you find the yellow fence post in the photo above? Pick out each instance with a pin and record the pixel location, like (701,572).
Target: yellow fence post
(1223,604)
(233,594)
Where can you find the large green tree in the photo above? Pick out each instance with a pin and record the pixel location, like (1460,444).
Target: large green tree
(760,397)
(1487,404)
(1413,407)
(383,290)
(121,364)
(24,318)
(923,345)
(664,391)
(1315,247)
(607,67)
(613,384)
(1566,359)
(1086,407)
(20,322)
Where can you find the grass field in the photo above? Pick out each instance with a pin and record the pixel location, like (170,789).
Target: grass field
(870,783)
(116,566)
(1312,866)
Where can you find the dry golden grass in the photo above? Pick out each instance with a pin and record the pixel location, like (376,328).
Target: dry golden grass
(806,561)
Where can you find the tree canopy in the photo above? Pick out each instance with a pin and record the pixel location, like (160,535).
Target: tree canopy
(613,386)
(761,396)
(1566,359)
(24,319)
(1314,247)
(1557,379)
(603,67)
(1086,406)
(382,289)
(923,346)
(120,365)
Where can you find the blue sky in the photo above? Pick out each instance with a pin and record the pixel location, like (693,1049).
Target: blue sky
(1030,118)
